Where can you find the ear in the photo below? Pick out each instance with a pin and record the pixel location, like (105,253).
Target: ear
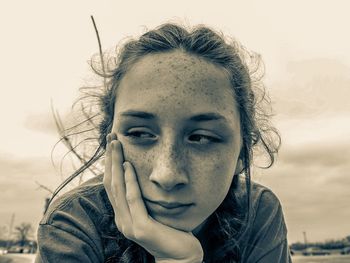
(239,167)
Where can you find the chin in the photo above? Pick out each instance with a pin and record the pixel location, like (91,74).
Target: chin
(182,224)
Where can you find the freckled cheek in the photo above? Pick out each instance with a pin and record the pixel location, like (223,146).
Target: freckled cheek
(213,173)
(141,159)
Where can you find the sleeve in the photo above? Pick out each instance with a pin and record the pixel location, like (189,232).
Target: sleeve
(59,245)
(69,235)
(267,239)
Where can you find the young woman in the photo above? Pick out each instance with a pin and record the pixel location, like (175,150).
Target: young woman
(182,118)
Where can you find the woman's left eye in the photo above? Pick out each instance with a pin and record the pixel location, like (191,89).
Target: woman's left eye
(203,139)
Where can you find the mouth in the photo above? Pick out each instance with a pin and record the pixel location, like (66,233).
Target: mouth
(167,208)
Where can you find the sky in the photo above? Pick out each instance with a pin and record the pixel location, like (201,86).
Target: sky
(45,47)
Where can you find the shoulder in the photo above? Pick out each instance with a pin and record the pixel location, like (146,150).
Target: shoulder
(266,228)
(78,226)
(267,212)
(88,199)
(263,202)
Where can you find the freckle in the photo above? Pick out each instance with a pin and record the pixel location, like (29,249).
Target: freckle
(217,166)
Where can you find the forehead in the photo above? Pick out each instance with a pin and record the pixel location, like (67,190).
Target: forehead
(176,66)
(177,81)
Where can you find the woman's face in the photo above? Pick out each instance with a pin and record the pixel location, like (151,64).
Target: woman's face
(178,122)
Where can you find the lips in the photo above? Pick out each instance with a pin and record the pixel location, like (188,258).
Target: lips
(169,205)
(167,208)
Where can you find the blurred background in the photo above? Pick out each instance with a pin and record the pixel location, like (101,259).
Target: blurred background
(44,51)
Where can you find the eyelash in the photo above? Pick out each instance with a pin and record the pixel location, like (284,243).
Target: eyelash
(135,133)
(211,139)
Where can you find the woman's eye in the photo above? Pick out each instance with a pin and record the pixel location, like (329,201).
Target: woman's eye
(140,135)
(203,139)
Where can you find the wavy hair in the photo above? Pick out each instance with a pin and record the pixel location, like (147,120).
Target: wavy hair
(245,71)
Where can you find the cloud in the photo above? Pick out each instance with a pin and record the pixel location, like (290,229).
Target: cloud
(42,122)
(313,87)
(321,155)
(312,181)
(311,176)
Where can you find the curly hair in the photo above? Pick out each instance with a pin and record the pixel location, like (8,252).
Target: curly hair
(245,71)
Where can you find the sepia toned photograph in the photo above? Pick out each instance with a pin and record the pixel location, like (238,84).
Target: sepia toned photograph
(175,132)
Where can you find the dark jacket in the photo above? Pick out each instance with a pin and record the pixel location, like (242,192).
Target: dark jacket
(79,227)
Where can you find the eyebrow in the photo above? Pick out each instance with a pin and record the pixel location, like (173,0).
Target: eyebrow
(210,116)
(138,114)
(203,117)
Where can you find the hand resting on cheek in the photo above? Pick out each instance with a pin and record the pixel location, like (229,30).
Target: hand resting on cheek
(166,244)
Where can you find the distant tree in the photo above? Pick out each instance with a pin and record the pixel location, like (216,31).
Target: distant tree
(298,246)
(328,244)
(332,244)
(23,233)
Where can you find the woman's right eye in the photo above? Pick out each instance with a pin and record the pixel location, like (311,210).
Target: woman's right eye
(139,134)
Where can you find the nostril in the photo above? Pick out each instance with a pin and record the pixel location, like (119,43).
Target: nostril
(168,178)
(169,186)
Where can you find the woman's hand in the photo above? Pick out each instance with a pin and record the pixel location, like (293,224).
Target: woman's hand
(166,244)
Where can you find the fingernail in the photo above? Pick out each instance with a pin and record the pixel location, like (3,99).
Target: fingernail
(114,143)
(113,136)
(125,166)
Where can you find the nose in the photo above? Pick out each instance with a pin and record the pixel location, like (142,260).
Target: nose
(170,167)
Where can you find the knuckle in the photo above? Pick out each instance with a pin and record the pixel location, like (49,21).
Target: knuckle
(128,181)
(114,193)
(106,183)
(131,199)
(128,233)
(140,232)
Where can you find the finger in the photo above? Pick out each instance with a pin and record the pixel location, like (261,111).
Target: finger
(122,212)
(134,199)
(117,170)
(107,178)
(107,173)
